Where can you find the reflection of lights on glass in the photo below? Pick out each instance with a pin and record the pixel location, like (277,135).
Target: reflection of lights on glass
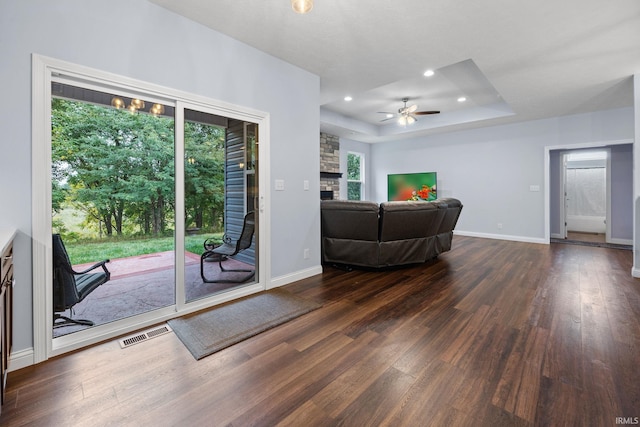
(191,160)
(138,104)
(241,165)
(117,102)
(157,109)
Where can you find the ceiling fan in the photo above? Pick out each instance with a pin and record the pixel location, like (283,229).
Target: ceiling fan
(407,115)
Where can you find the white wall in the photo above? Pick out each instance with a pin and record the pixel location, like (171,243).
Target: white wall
(137,39)
(491,169)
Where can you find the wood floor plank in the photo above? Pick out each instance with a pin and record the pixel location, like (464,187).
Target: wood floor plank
(518,389)
(492,333)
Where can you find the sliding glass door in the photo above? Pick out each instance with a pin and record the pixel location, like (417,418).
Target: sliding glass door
(146,205)
(113,202)
(220,196)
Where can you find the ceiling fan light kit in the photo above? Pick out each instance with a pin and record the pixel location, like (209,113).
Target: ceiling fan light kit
(407,115)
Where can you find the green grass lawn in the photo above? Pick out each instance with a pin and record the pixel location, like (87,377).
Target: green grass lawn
(85,252)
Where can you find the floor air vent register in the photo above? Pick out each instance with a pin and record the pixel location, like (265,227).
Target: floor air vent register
(145,335)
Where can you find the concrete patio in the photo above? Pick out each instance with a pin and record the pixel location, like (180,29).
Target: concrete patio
(147,282)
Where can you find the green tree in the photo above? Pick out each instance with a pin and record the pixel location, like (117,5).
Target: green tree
(119,168)
(354,186)
(204,174)
(112,160)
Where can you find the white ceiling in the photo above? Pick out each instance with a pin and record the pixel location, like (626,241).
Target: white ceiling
(513,60)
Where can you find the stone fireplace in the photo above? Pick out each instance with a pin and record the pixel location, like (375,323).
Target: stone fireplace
(330,165)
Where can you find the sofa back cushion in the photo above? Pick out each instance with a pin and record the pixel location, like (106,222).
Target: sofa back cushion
(407,220)
(349,219)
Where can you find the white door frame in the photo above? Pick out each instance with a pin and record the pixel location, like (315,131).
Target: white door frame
(44,71)
(563,190)
(547,175)
(563,194)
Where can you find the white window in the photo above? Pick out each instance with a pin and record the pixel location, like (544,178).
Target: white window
(355,176)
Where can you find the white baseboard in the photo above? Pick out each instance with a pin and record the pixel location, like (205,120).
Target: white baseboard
(294,277)
(21,359)
(501,237)
(635,272)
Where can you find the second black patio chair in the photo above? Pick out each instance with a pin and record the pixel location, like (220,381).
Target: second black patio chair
(228,249)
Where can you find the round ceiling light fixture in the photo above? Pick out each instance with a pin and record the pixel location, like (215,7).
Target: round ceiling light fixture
(302,6)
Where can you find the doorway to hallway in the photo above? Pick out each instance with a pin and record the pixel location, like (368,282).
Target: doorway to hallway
(586,199)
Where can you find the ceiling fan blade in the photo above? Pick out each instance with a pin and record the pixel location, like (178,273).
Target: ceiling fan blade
(387,119)
(411,109)
(424,113)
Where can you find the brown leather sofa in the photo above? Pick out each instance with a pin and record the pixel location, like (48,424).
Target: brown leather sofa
(362,233)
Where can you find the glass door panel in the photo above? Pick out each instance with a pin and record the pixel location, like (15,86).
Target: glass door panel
(113,198)
(220,188)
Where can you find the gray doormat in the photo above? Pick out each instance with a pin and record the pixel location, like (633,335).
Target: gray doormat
(206,332)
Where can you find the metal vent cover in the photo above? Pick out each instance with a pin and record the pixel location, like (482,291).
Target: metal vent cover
(145,335)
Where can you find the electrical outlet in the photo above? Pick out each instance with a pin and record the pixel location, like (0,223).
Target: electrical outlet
(306,253)
(499,226)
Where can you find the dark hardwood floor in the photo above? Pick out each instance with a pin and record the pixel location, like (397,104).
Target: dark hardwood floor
(492,333)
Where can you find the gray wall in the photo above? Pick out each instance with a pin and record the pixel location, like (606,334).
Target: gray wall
(622,192)
(491,169)
(137,39)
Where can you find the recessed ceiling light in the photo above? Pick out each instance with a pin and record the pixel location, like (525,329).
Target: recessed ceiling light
(429,73)
(462,99)
(348,98)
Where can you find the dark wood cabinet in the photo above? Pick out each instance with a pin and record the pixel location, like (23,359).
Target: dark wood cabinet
(6,307)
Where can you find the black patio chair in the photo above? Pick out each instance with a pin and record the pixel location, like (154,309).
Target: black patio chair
(228,249)
(70,287)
